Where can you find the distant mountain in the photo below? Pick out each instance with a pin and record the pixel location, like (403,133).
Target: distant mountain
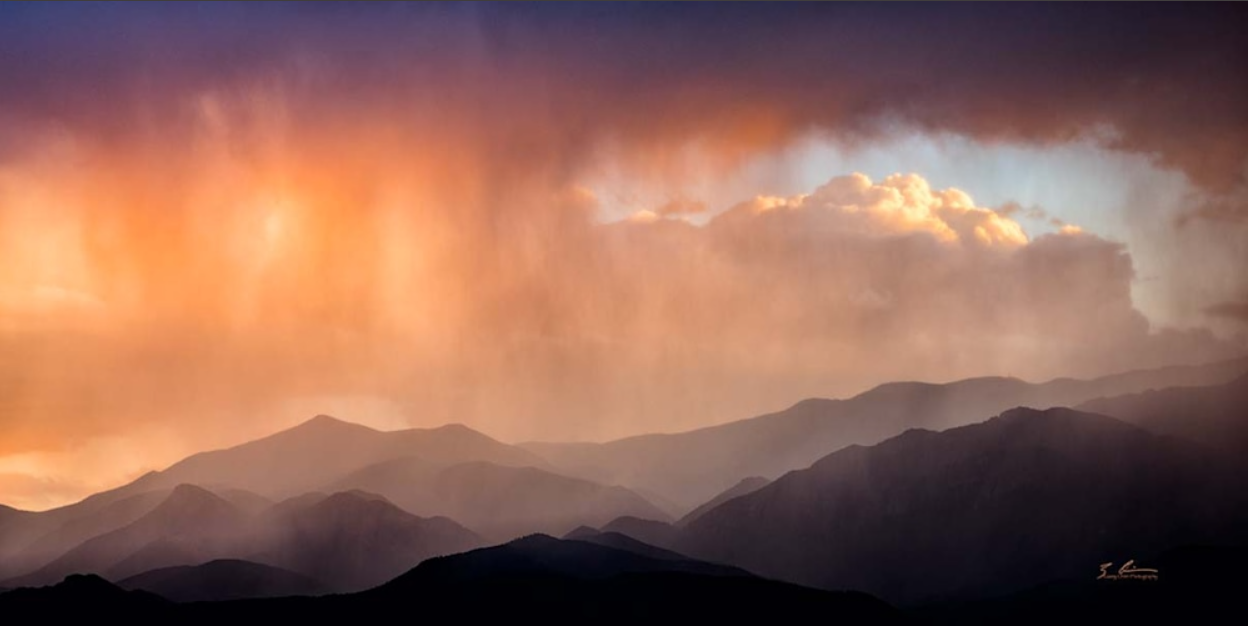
(323,450)
(536,579)
(9,516)
(34,539)
(649,531)
(249,476)
(223,580)
(1028,497)
(349,541)
(747,485)
(498,501)
(354,541)
(1216,416)
(694,466)
(190,525)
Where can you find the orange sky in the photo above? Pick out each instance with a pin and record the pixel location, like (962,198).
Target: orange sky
(203,249)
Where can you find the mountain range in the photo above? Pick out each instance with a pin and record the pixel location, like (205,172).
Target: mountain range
(1024,498)
(348,541)
(692,467)
(451,471)
(914,493)
(535,577)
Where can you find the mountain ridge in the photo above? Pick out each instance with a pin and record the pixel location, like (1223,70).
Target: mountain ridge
(858,518)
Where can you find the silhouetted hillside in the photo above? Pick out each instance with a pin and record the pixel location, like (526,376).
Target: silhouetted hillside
(534,579)
(544,555)
(81,597)
(1024,498)
(224,579)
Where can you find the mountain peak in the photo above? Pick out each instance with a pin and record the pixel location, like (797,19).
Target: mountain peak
(190,502)
(534,541)
(460,430)
(187,491)
(325,421)
(325,425)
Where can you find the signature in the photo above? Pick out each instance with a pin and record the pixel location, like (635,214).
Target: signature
(1128,571)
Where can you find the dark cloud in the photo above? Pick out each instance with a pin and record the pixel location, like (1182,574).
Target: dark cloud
(1165,80)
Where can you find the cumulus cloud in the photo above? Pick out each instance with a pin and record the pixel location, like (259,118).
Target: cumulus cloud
(842,279)
(900,204)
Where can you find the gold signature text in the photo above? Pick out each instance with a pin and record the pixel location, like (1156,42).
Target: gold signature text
(1128,571)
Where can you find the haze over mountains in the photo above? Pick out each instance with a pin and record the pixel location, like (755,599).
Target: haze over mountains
(692,467)
(1007,502)
(1215,416)
(347,541)
(499,501)
(1024,498)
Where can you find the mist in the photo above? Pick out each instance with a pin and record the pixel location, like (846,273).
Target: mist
(387,213)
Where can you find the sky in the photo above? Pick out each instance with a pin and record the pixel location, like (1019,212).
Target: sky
(583,222)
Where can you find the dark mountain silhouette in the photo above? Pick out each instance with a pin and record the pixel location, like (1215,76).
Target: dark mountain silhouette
(353,541)
(1216,416)
(545,555)
(692,467)
(624,542)
(533,579)
(498,501)
(1024,498)
(747,485)
(80,596)
(223,580)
